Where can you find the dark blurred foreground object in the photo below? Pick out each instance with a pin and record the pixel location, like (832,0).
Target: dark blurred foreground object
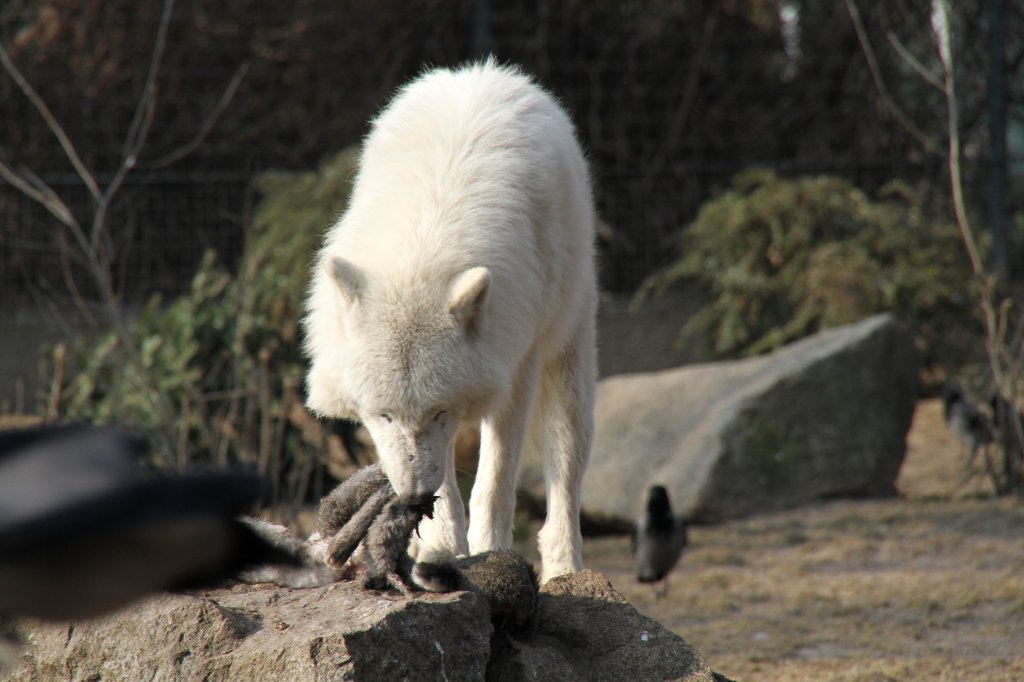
(658,540)
(966,420)
(85,529)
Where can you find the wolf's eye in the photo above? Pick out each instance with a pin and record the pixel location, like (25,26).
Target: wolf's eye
(385,416)
(440,414)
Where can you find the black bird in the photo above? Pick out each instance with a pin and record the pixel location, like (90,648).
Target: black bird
(966,421)
(658,540)
(85,529)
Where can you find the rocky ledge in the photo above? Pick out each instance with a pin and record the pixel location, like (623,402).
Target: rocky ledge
(583,630)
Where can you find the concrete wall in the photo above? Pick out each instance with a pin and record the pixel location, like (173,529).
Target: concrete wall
(648,338)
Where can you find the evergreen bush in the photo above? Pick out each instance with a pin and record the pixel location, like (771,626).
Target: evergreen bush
(782,258)
(222,362)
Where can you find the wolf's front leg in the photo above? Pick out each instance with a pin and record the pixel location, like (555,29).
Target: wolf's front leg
(562,428)
(447,530)
(493,502)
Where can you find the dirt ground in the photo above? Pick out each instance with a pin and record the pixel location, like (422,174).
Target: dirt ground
(926,586)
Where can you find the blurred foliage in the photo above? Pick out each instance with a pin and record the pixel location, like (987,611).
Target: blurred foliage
(223,362)
(783,258)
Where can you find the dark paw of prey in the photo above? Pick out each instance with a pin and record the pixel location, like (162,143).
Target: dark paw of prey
(424,506)
(377,583)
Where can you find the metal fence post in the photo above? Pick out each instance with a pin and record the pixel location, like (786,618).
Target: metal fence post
(995,11)
(480,39)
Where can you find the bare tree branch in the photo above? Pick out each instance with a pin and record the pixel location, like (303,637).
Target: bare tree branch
(943,41)
(142,121)
(1004,358)
(208,123)
(922,71)
(682,112)
(883,90)
(45,197)
(97,246)
(66,257)
(51,122)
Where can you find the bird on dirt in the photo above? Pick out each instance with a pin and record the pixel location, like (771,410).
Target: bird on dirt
(966,421)
(86,529)
(658,540)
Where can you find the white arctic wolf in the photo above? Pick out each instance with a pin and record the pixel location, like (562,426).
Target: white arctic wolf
(459,285)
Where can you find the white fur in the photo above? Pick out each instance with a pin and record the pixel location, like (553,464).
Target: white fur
(460,285)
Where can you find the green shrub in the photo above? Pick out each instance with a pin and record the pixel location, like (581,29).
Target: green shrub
(782,258)
(214,375)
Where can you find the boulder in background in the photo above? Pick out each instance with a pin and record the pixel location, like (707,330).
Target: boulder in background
(823,417)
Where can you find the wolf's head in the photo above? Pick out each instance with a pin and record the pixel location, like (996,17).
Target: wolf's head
(404,358)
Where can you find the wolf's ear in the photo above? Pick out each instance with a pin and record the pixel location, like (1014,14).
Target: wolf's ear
(468,296)
(347,276)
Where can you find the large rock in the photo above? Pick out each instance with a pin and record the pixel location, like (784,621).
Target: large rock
(584,631)
(588,631)
(823,417)
(332,633)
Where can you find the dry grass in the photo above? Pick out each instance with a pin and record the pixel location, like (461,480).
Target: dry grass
(928,586)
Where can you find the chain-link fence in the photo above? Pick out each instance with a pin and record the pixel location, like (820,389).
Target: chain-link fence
(671,99)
